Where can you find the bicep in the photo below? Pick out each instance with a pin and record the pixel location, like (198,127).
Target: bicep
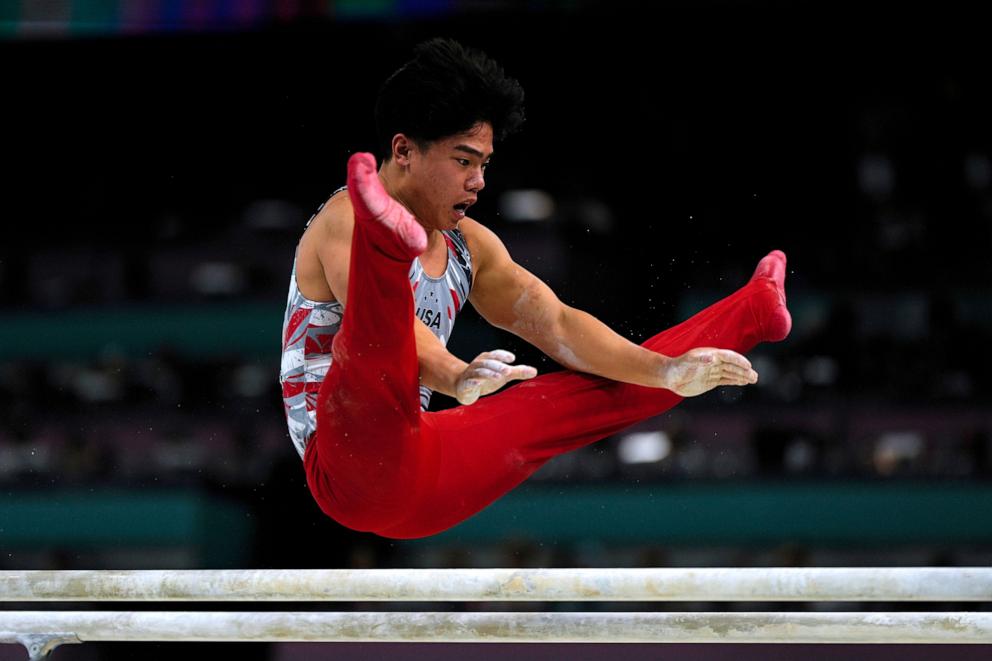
(512,298)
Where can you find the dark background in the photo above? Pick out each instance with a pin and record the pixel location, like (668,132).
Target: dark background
(162,158)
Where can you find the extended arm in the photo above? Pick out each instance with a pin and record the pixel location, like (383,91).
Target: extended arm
(510,297)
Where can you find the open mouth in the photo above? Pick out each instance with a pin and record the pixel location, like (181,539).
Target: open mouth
(461,208)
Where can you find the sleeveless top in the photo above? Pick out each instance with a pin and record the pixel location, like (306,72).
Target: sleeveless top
(309,328)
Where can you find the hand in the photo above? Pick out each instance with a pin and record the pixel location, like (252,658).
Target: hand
(702,369)
(488,373)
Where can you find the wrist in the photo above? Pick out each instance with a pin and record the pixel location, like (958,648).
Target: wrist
(449,375)
(661,368)
(440,371)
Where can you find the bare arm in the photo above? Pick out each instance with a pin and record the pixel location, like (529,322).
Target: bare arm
(510,297)
(439,369)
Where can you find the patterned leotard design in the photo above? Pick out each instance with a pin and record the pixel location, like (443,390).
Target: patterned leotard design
(309,328)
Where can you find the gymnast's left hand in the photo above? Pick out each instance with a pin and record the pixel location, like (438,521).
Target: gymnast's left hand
(702,369)
(489,372)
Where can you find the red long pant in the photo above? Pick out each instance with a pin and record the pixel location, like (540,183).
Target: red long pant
(379,464)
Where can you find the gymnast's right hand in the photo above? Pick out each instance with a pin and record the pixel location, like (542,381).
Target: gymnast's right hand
(702,369)
(488,373)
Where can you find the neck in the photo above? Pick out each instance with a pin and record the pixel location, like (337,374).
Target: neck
(393,179)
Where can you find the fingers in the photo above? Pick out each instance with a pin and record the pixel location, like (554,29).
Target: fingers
(523,372)
(736,367)
(736,373)
(488,373)
(498,361)
(492,370)
(493,365)
(733,358)
(734,377)
(732,381)
(498,354)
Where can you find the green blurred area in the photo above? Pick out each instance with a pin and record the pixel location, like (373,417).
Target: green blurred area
(844,513)
(216,531)
(835,514)
(243,329)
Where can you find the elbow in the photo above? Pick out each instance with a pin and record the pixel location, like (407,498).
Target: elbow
(561,342)
(559,325)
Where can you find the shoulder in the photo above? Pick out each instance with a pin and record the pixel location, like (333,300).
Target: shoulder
(336,216)
(483,244)
(328,233)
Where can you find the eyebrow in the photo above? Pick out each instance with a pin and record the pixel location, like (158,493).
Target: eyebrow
(472,151)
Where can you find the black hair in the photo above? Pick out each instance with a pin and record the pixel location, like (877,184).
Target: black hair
(444,90)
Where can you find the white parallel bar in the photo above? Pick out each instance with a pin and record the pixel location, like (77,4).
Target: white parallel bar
(958,584)
(503,627)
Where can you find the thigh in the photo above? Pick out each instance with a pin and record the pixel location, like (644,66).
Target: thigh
(490,447)
(368,459)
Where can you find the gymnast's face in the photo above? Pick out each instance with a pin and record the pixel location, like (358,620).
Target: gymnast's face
(446,176)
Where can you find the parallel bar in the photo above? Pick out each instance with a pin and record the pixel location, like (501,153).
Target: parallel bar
(504,627)
(957,584)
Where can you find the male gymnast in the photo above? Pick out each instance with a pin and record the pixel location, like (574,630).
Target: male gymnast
(362,353)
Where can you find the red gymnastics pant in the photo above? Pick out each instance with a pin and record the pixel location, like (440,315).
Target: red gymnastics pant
(379,464)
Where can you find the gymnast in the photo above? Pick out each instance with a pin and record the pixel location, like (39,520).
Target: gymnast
(382,271)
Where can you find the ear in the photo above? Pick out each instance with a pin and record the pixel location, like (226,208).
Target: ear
(402,148)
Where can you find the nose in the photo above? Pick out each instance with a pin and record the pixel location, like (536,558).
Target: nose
(476,182)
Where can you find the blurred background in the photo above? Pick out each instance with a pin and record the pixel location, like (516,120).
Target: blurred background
(161,159)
